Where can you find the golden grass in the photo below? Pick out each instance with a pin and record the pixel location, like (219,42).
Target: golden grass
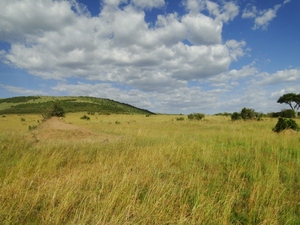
(158,171)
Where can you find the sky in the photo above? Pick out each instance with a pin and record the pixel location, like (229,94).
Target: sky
(166,56)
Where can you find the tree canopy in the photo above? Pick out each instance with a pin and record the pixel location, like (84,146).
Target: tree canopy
(292,99)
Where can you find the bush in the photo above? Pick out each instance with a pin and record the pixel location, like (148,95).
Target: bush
(286,113)
(32,127)
(85,117)
(196,116)
(284,124)
(223,114)
(180,118)
(55,110)
(236,116)
(248,114)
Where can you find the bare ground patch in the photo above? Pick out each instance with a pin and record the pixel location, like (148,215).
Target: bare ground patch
(56,128)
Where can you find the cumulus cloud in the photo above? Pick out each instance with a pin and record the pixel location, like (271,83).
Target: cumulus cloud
(120,56)
(262,18)
(60,39)
(233,75)
(280,77)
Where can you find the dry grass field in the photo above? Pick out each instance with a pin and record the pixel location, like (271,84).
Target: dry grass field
(133,169)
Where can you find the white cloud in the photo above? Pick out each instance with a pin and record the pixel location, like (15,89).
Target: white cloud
(21,90)
(181,100)
(54,42)
(280,77)
(262,18)
(265,17)
(233,75)
(113,3)
(21,19)
(153,66)
(223,13)
(194,6)
(249,12)
(202,30)
(148,4)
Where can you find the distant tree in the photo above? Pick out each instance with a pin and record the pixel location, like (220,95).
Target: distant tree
(55,110)
(287,113)
(248,114)
(235,116)
(196,116)
(292,99)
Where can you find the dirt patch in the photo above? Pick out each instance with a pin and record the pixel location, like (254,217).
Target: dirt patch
(56,128)
(289,131)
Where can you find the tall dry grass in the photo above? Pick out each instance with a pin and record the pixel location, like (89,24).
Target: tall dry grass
(158,171)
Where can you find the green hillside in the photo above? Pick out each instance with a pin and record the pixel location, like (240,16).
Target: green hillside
(38,104)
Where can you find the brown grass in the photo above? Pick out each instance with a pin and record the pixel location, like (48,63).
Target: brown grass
(161,171)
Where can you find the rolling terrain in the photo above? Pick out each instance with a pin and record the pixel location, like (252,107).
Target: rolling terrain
(38,104)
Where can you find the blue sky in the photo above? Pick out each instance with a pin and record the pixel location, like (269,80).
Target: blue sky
(166,56)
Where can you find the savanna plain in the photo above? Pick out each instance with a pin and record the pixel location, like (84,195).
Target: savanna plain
(137,169)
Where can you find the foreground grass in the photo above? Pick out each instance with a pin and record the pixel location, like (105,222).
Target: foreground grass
(160,171)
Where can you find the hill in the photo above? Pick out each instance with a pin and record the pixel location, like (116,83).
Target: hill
(38,104)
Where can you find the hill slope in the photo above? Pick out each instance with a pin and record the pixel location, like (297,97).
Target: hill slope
(38,104)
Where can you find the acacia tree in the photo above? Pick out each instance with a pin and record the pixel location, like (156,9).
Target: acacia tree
(292,99)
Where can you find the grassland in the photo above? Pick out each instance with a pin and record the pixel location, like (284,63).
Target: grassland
(135,169)
(70,104)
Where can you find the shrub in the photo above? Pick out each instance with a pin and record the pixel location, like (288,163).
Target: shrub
(85,117)
(248,114)
(180,118)
(236,116)
(223,114)
(286,113)
(284,124)
(196,116)
(32,127)
(55,110)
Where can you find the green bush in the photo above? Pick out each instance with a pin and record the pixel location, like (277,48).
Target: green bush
(287,113)
(248,114)
(196,116)
(85,117)
(55,110)
(236,116)
(180,118)
(284,124)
